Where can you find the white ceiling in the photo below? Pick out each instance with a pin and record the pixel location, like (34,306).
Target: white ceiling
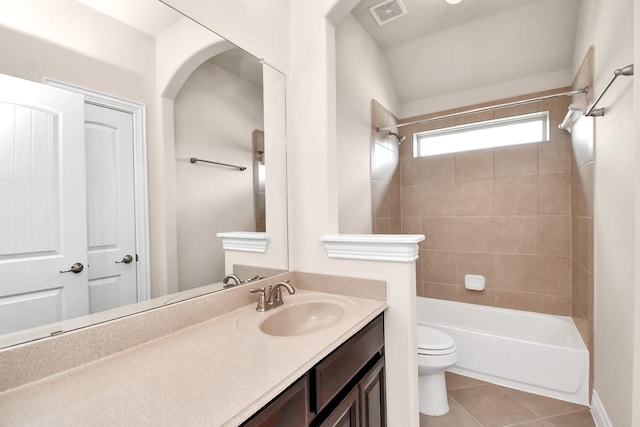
(438,48)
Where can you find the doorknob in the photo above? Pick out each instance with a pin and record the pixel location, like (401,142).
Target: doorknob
(126,259)
(75,268)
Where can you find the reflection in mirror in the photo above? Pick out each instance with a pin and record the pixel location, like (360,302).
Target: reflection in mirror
(116,125)
(217,111)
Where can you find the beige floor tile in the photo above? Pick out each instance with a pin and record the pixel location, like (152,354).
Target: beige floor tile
(455,381)
(456,417)
(492,406)
(580,418)
(575,419)
(543,406)
(536,423)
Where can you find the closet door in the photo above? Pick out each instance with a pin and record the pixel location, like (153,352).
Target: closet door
(111,208)
(43,199)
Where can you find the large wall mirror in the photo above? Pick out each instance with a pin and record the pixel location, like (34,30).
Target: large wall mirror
(131,138)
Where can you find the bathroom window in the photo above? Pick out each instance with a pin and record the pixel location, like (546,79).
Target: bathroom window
(524,129)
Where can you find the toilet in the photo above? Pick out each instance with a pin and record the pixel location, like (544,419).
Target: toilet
(436,352)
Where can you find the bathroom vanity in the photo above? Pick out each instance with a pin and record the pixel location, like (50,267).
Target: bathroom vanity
(217,372)
(346,388)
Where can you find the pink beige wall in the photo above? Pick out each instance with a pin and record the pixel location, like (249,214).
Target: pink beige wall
(504,213)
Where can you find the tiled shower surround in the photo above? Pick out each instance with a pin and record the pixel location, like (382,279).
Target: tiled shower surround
(504,213)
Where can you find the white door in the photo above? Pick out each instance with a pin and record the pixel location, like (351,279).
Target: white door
(111,208)
(43,226)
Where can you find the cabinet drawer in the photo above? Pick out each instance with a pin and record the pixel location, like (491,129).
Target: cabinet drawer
(333,373)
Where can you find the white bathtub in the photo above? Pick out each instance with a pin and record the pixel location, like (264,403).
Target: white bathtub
(533,352)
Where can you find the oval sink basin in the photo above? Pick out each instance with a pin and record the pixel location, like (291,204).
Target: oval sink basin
(303,313)
(301,319)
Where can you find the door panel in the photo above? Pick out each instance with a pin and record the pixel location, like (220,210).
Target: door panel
(110,206)
(43,200)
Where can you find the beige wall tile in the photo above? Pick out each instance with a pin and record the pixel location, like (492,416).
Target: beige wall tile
(557,305)
(554,235)
(474,198)
(516,234)
(486,297)
(518,300)
(475,117)
(380,163)
(411,171)
(436,169)
(581,237)
(439,199)
(557,108)
(439,233)
(579,291)
(411,225)
(440,291)
(516,272)
(554,275)
(395,226)
(379,201)
(517,110)
(586,178)
(474,234)
(516,196)
(411,200)
(475,263)
(519,160)
(578,200)
(473,165)
(554,195)
(380,226)
(393,201)
(523,240)
(439,266)
(554,157)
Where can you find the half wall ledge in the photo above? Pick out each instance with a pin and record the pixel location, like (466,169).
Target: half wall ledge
(373,247)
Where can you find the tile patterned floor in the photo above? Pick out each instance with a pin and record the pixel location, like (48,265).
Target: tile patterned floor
(474,403)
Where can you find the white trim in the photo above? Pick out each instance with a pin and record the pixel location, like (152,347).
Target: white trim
(598,412)
(244,241)
(138,112)
(373,247)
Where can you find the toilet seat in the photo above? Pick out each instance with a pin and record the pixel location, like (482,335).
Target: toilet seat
(432,342)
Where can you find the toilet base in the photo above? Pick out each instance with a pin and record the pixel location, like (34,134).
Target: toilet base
(433,394)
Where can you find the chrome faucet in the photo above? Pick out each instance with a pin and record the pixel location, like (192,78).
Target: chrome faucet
(237,281)
(233,277)
(274,299)
(275,294)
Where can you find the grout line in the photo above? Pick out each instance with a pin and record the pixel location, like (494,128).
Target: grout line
(465,410)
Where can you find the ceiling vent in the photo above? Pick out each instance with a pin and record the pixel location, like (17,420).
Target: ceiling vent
(387,11)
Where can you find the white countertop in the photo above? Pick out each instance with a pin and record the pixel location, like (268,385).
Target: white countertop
(212,373)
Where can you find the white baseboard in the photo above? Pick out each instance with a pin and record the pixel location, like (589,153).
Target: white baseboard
(598,412)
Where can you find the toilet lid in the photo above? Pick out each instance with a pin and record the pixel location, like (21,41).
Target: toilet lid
(433,339)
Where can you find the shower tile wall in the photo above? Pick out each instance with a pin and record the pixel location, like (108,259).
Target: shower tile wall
(385,175)
(504,213)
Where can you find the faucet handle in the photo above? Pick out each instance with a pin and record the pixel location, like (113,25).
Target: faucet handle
(261,299)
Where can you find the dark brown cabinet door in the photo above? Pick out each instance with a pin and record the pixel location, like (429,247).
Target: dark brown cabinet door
(290,409)
(372,397)
(347,413)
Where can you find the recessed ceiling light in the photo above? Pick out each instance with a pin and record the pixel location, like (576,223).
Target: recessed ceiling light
(453,1)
